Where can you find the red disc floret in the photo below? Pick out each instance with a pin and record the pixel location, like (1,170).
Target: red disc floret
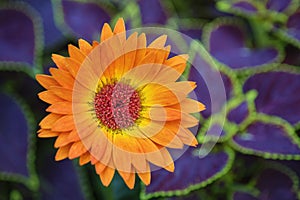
(117,106)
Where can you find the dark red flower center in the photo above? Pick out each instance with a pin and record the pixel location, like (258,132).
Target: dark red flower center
(117,106)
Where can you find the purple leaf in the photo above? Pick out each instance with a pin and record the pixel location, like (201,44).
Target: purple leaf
(227,45)
(13,137)
(243,196)
(277,94)
(16,36)
(59,180)
(245,6)
(191,172)
(209,91)
(152,12)
(195,33)
(84,19)
(266,139)
(191,196)
(293,26)
(275,185)
(278,5)
(215,130)
(51,32)
(293,21)
(238,114)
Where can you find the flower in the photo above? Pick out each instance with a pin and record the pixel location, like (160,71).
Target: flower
(117,105)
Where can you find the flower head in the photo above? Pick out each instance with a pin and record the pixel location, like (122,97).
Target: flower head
(117,105)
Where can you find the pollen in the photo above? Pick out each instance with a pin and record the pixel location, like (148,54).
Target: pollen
(117,106)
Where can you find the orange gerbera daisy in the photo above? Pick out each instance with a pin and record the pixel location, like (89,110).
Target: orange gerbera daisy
(117,105)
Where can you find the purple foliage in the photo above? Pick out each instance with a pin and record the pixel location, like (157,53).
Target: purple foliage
(60,180)
(293,26)
(51,33)
(190,170)
(245,6)
(267,138)
(277,94)
(275,185)
(227,45)
(13,136)
(152,12)
(16,36)
(85,19)
(239,113)
(278,5)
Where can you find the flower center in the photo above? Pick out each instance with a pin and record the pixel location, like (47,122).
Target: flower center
(117,106)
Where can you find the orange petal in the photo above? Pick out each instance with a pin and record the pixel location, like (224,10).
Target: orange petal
(46,81)
(99,167)
(72,66)
(49,97)
(116,57)
(167,138)
(187,137)
(162,135)
(156,94)
(60,61)
(46,133)
(129,178)
(159,42)
(156,158)
(168,160)
(77,149)
(63,93)
(64,108)
(184,134)
(62,152)
(188,120)
(163,114)
(145,177)
(62,77)
(189,106)
(75,53)
(84,46)
(182,87)
(106,175)
(139,162)
(120,30)
(73,136)
(149,58)
(62,140)
(177,62)
(127,141)
(167,74)
(95,43)
(152,153)
(90,69)
(64,124)
(120,26)
(130,51)
(106,32)
(121,158)
(147,145)
(107,155)
(142,74)
(98,149)
(85,158)
(141,49)
(49,120)
(167,51)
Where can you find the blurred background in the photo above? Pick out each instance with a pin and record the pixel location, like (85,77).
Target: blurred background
(255,47)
